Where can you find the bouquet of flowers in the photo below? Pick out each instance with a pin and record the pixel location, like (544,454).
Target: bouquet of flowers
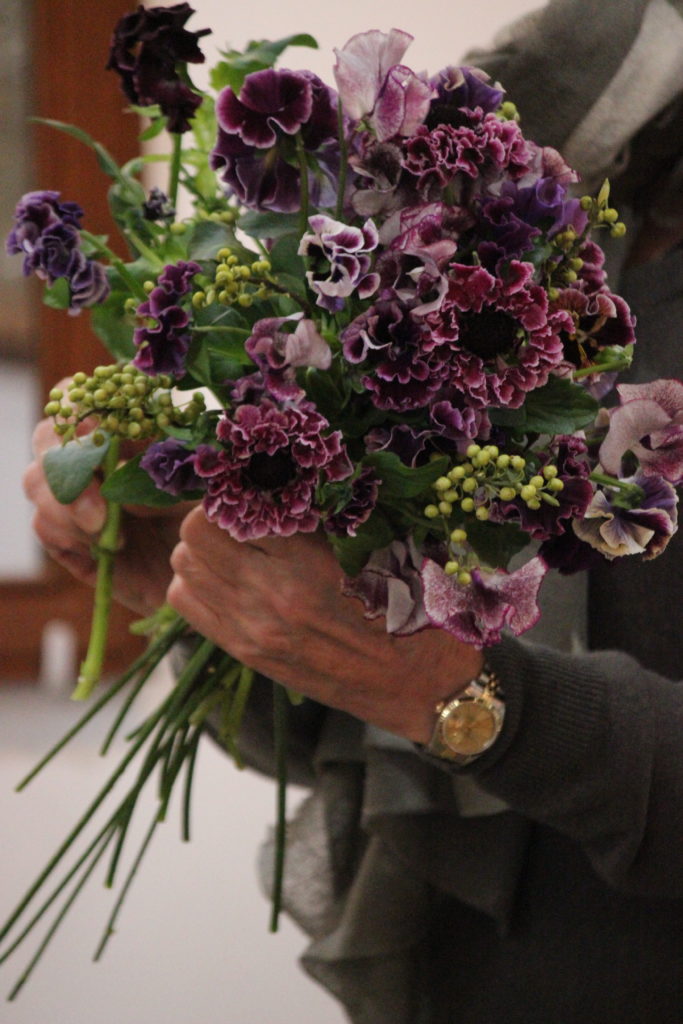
(385,318)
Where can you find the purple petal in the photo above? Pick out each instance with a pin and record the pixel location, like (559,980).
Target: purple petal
(362,66)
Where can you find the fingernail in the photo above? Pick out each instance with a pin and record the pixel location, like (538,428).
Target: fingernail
(90,513)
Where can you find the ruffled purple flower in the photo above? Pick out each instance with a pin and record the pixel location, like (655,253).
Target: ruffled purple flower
(172,467)
(390,585)
(148,51)
(649,424)
(46,232)
(255,152)
(615,531)
(163,339)
(374,86)
(484,147)
(503,339)
(402,368)
(344,521)
(263,480)
(341,261)
(278,352)
(600,320)
(477,612)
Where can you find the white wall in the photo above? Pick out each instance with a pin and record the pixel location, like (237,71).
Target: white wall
(193,944)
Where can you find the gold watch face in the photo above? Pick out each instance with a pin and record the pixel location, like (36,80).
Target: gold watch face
(470,727)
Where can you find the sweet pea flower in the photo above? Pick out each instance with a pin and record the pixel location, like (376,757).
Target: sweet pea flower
(278,352)
(341,262)
(477,612)
(374,85)
(648,423)
(390,585)
(615,531)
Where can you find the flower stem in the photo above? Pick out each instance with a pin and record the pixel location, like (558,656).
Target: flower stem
(176,160)
(303,182)
(280,722)
(343,162)
(91,669)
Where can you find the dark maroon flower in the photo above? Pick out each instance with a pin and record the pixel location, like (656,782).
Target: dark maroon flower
(46,231)
(263,480)
(172,467)
(458,87)
(503,340)
(148,50)
(163,339)
(254,152)
(357,509)
(600,319)
(157,206)
(403,369)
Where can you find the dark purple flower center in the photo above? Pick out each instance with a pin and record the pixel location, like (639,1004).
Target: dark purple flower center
(270,472)
(487,334)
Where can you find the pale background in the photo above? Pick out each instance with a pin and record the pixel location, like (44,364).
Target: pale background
(193,944)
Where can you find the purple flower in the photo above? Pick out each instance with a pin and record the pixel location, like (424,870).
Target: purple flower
(263,480)
(163,340)
(46,231)
(483,147)
(403,368)
(146,49)
(458,88)
(157,206)
(503,340)
(278,353)
(390,585)
(599,320)
(172,467)
(340,257)
(344,521)
(255,153)
(374,85)
(649,424)
(615,531)
(477,612)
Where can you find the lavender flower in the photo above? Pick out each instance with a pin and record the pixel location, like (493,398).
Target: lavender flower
(163,340)
(374,86)
(254,151)
(616,530)
(649,424)
(477,612)
(46,232)
(263,480)
(146,50)
(278,353)
(340,257)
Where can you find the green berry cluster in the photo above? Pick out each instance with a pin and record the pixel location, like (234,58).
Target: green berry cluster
(486,476)
(235,283)
(129,404)
(601,214)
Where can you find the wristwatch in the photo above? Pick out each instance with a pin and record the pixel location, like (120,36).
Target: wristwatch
(469,723)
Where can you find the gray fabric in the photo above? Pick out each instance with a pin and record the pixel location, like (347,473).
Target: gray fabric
(388,869)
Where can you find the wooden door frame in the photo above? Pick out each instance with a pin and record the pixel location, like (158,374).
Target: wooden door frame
(69,43)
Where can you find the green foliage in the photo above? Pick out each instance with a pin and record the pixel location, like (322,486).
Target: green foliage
(69,468)
(257,56)
(131,485)
(560,407)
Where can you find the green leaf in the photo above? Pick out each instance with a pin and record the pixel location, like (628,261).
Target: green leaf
(104,157)
(401,481)
(560,407)
(208,237)
(270,225)
(257,56)
(69,468)
(131,485)
(58,295)
(496,543)
(353,552)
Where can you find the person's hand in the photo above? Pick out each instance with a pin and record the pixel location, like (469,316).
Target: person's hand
(276,605)
(69,532)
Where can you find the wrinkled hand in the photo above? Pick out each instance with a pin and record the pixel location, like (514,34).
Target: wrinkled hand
(276,605)
(68,532)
